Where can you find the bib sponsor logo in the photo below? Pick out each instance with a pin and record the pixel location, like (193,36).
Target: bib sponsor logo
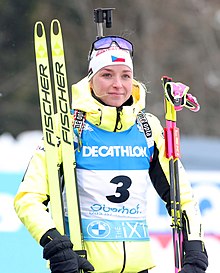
(99,209)
(98,229)
(114,151)
(115,230)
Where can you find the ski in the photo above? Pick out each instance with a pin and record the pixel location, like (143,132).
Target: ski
(60,94)
(48,124)
(66,129)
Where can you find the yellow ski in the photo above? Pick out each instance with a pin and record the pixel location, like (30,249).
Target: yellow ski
(66,132)
(48,124)
(46,94)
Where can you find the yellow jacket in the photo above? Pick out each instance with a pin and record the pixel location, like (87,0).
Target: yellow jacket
(33,194)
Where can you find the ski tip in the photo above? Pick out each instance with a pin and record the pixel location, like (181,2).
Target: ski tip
(55,27)
(39,29)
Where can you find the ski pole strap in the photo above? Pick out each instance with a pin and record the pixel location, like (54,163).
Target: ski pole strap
(192,103)
(176,94)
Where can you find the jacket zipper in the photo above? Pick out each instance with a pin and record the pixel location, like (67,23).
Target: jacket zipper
(118,119)
(124,260)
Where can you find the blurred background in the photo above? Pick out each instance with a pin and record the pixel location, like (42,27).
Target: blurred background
(180,39)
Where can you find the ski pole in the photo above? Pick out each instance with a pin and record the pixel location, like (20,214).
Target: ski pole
(171,133)
(176,97)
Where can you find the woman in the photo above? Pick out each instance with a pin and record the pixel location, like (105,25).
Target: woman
(115,161)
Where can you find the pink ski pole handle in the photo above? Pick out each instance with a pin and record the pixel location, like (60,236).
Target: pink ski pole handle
(176,92)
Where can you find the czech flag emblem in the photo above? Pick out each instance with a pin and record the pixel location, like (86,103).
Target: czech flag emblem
(116,59)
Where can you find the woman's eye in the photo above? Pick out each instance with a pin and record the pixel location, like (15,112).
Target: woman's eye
(126,76)
(106,75)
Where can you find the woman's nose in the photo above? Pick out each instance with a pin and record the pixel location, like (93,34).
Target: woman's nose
(117,82)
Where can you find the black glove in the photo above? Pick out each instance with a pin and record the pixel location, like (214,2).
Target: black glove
(63,259)
(195,259)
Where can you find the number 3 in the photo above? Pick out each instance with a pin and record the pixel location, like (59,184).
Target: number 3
(122,190)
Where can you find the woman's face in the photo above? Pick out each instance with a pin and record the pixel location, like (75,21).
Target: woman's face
(113,84)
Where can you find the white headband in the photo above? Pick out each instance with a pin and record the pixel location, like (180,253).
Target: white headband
(109,56)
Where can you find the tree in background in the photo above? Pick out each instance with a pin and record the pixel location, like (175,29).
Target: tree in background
(177,38)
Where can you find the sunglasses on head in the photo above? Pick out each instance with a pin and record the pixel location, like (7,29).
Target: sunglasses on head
(106,42)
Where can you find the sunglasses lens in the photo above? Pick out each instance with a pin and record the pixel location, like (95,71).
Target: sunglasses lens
(106,42)
(103,43)
(124,44)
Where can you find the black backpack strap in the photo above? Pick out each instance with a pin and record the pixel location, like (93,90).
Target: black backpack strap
(79,118)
